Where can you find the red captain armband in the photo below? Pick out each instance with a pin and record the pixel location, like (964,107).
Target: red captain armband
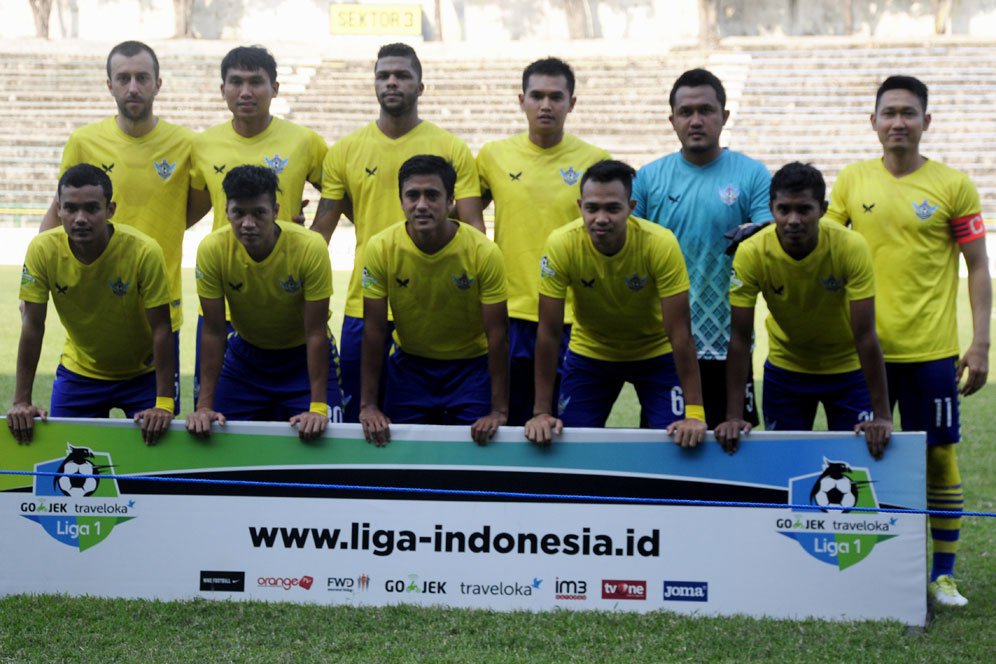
(967,229)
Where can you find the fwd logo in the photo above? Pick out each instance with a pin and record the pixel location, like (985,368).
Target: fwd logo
(347,584)
(617,589)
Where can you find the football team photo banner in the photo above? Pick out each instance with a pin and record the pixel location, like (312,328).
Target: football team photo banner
(433,519)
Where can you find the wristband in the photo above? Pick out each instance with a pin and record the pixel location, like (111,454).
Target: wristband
(694,412)
(165,403)
(320,408)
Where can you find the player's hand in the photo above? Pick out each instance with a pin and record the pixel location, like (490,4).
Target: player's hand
(299,217)
(199,422)
(484,429)
(728,433)
(154,423)
(310,426)
(376,426)
(976,360)
(542,428)
(21,421)
(687,432)
(877,433)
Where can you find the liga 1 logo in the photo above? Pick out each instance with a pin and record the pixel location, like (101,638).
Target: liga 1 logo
(837,537)
(75,509)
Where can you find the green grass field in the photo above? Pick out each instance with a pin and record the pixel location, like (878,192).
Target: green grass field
(47,629)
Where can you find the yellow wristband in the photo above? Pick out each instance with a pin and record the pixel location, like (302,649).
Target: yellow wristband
(694,412)
(165,403)
(320,408)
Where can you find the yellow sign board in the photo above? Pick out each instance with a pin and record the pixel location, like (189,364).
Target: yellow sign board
(355,19)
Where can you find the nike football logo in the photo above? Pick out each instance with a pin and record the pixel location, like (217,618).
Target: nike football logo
(515,176)
(219,169)
(868,208)
(370,171)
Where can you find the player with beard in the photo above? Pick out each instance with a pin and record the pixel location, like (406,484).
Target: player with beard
(361,170)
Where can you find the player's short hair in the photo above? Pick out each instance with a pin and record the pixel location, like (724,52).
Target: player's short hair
(86,175)
(428,164)
(909,83)
(693,78)
(247,181)
(549,67)
(795,178)
(251,58)
(400,50)
(610,170)
(129,49)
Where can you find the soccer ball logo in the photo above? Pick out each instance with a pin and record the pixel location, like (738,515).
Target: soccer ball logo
(78,464)
(834,488)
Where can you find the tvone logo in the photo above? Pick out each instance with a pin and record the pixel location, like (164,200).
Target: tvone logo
(617,589)
(570,589)
(285,582)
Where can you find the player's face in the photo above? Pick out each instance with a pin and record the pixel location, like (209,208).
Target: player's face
(133,84)
(797,221)
(397,85)
(546,103)
(424,200)
(254,222)
(248,93)
(605,208)
(84,212)
(698,118)
(899,120)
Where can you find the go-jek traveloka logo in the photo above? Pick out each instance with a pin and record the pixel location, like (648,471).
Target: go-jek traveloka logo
(77,510)
(835,535)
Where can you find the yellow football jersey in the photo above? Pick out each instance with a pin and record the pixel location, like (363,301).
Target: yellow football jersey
(809,320)
(266,298)
(364,166)
(436,298)
(293,152)
(102,305)
(535,191)
(151,176)
(913,226)
(617,308)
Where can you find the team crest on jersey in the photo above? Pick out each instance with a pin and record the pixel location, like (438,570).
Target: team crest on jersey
(367,279)
(545,270)
(570,176)
(275,163)
(729,194)
(925,210)
(26,276)
(636,282)
(198,272)
(119,287)
(292,285)
(735,281)
(164,169)
(832,283)
(463,282)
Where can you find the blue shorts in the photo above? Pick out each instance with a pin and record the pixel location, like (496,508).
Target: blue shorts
(927,393)
(591,387)
(197,356)
(522,369)
(426,391)
(790,399)
(264,384)
(351,360)
(74,395)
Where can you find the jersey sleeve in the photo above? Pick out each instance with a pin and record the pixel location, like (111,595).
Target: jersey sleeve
(197,180)
(334,172)
(317,149)
(207,271)
(966,222)
(153,283)
(640,194)
(760,195)
(837,211)
(744,281)
(553,266)
(491,276)
(860,270)
(670,274)
(375,266)
(317,270)
(483,161)
(34,276)
(70,154)
(468,184)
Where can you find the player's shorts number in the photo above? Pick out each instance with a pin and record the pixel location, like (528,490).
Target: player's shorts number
(749,397)
(943,412)
(866,416)
(335,415)
(677,401)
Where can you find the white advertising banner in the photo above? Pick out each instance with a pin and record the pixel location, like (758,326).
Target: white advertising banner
(433,519)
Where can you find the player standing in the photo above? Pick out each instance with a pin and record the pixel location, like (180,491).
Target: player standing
(280,363)
(817,280)
(362,169)
(700,193)
(917,214)
(533,179)
(109,286)
(446,285)
(148,162)
(631,317)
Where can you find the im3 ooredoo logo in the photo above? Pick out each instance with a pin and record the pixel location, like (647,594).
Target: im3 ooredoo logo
(835,536)
(75,509)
